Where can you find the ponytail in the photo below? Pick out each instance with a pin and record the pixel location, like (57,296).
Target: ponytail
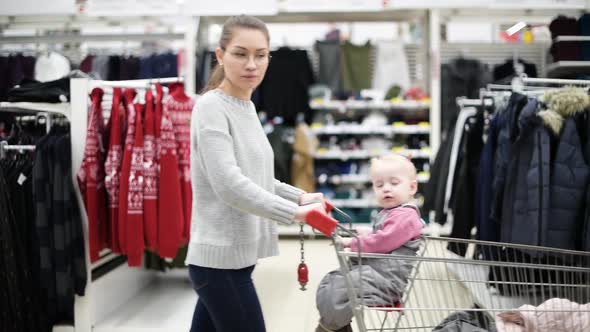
(215,79)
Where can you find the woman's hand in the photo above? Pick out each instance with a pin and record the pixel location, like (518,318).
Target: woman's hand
(303,210)
(312,197)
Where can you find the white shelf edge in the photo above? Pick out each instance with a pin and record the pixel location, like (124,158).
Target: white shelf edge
(572,38)
(344,105)
(567,64)
(368,130)
(364,154)
(363,179)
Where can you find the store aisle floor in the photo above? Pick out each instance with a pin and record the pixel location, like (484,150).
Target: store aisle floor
(285,307)
(167,303)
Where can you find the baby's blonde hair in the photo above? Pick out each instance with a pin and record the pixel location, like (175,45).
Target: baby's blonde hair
(397,158)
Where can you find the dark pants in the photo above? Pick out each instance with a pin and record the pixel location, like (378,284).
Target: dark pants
(227,301)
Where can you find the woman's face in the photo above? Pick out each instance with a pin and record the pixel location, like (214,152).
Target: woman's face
(245,59)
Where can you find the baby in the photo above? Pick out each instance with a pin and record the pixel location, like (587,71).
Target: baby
(394,183)
(397,229)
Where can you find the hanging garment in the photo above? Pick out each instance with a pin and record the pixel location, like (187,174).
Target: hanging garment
(455,160)
(460,78)
(135,217)
(165,65)
(281,140)
(391,67)
(129,68)
(114,68)
(569,179)
(329,53)
(128,97)
(179,108)
(150,174)
(100,67)
(113,165)
(464,190)
(170,208)
(302,172)
(355,66)
(86,64)
(284,90)
(487,228)
(91,178)
(59,228)
(507,132)
(20,308)
(158,113)
(70,277)
(434,193)
(585,136)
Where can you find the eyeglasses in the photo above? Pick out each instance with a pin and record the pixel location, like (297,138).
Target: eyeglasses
(244,57)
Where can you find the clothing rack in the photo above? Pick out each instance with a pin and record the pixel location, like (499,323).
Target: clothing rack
(119,283)
(4,146)
(555,81)
(466,102)
(134,84)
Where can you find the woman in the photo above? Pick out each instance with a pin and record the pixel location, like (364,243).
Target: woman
(237,201)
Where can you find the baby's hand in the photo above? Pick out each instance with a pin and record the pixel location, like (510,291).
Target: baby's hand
(344,241)
(363,230)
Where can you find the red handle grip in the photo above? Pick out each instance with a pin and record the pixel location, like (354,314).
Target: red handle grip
(321,222)
(329,206)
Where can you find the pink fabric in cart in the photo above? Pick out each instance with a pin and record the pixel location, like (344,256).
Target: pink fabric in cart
(554,315)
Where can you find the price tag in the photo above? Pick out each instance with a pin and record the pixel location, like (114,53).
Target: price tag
(21,179)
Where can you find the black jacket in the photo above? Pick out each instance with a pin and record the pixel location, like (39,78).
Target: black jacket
(284,90)
(547,177)
(525,197)
(460,78)
(508,131)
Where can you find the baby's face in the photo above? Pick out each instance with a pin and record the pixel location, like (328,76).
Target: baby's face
(392,183)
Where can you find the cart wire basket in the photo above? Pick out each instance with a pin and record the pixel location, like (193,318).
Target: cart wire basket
(500,287)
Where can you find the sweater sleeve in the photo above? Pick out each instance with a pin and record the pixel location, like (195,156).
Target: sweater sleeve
(287,191)
(214,146)
(402,225)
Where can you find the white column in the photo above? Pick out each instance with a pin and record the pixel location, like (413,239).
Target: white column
(78,128)
(435,88)
(190,41)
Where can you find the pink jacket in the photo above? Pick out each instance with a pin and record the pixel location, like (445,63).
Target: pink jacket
(554,315)
(401,225)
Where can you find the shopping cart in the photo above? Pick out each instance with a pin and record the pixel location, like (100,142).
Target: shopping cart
(446,289)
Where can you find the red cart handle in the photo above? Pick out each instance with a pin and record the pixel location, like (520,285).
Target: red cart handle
(329,206)
(322,222)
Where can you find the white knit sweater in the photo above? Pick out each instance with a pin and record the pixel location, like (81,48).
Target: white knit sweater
(236,198)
